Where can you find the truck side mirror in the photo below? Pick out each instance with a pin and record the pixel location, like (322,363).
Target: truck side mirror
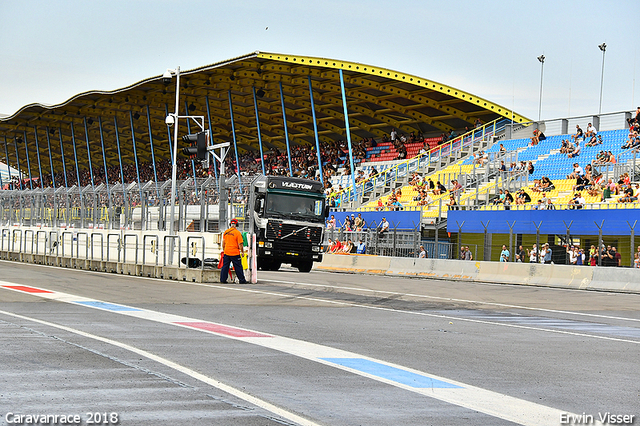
(259,205)
(327,208)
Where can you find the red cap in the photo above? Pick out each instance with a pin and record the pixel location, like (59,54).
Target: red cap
(234,221)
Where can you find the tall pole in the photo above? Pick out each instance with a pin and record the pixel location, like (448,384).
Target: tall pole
(602,47)
(346,122)
(541,59)
(174,169)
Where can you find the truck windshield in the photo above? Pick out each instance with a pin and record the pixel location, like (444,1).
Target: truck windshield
(299,206)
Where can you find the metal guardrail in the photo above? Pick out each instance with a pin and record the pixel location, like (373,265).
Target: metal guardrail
(93,235)
(191,238)
(172,238)
(154,247)
(124,247)
(118,244)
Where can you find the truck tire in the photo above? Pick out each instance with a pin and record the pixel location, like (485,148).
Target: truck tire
(274,266)
(305,266)
(264,264)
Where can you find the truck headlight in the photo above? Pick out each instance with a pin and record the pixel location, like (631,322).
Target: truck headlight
(315,248)
(268,245)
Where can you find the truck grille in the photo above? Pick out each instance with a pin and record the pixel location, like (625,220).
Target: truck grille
(294,234)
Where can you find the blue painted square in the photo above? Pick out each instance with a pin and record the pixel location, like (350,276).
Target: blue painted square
(391,373)
(107,306)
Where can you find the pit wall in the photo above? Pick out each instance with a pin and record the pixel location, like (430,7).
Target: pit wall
(140,253)
(561,276)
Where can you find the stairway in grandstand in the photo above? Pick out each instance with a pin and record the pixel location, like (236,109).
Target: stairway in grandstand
(550,162)
(545,156)
(393,173)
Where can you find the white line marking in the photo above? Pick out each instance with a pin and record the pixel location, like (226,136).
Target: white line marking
(451,299)
(379,308)
(185,370)
(471,397)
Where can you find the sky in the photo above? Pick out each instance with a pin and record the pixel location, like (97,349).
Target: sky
(53,50)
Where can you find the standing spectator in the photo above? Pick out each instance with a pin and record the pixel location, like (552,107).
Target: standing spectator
(504,254)
(358,222)
(607,256)
(572,255)
(467,254)
(519,254)
(423,253)
(547,254)
(617,257)
(331,223)
(362,247)
(533,254)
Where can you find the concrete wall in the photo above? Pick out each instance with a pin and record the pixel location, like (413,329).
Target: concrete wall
(561,276)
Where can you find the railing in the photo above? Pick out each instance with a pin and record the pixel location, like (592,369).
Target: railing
(568,206)
(447,149)
(393,243)
(471,191)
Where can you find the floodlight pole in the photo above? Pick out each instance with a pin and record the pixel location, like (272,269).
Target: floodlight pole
(602,47)
(541,59)
(174,169)
(199,120)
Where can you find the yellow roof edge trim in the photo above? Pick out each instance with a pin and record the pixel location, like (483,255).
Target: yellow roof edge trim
(395,75)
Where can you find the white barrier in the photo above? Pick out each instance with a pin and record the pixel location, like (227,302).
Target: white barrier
(562,276)
(130,252)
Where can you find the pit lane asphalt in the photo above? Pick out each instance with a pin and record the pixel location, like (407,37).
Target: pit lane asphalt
(572,350)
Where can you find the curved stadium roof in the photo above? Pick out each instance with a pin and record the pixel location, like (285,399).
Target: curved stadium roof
(378,99)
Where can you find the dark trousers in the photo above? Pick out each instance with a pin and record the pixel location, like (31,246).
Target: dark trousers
(237,267)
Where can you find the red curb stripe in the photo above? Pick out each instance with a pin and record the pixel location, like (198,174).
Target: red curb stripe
(222,329)
(26,289)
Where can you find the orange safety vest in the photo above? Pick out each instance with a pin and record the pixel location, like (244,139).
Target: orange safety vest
(232,239)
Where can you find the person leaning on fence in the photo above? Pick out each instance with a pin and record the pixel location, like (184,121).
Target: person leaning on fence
(423,253)
(233,248)
(384,227)
(329,246)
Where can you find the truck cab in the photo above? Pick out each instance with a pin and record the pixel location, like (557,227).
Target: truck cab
(288,216)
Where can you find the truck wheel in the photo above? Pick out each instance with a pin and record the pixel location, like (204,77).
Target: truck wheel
(275,266)
(305,266)
(264,264)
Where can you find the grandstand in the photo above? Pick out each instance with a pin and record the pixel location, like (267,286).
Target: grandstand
(127,160)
